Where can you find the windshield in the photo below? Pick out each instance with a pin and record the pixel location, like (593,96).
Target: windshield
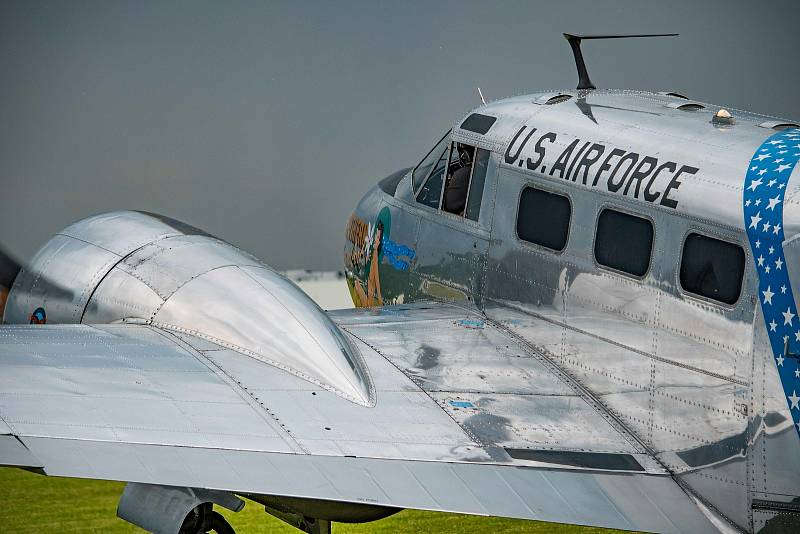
(424,167)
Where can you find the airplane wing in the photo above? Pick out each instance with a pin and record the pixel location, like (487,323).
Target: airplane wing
(466,419)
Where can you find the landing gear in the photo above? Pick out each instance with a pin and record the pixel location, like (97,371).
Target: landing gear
(203,519)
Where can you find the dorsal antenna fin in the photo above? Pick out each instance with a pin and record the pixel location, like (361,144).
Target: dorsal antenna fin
(575,43)
(480,95)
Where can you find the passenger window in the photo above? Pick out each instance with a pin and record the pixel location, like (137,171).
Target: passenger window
(543,218)
(712,268)
(421,171)
(623,242)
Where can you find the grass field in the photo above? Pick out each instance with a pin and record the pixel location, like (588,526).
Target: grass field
(34,503)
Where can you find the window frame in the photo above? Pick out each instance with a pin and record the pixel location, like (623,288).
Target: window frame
(613,207)
(469,188)
(453,143)
(428,177)
(415,190)
(553,191)
(726,238)
(439,209)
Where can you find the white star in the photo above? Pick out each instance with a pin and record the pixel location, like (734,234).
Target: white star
(783,290)
(767,269)
(774,202)
(762,172)
(774,142)
(778,264)
(768,294)
(771,250)
(776,229)
(778,160)
(794,399)
(797,336)
(783,151)
(754,184)
(773,325)
(758,202)
(797,372)
(780,360)
(758,244)
(761,261)
(782,168)
(781,186)
(754,168)
(772,182)
(766,226)
(762,157)
(754,220)
(788,316)
(747,202)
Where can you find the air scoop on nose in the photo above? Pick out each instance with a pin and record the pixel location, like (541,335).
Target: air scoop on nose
(256,311)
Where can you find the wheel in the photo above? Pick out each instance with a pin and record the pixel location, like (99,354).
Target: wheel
(216,523)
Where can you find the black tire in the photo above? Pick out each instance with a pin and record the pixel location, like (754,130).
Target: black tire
(216,523)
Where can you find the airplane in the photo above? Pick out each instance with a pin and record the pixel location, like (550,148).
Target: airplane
(578,307)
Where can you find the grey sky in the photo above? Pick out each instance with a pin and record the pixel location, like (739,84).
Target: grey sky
(264,122)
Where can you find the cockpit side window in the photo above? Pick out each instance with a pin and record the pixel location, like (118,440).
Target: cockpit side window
(466,175)
(476,184)
(459,172)
(422,170)
(431,193)
(452,177)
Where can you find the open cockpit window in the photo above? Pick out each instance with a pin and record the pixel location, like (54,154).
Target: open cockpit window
(422,170)
(431,192)
(452,177)
(466,176)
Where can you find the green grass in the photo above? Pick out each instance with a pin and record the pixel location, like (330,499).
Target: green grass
(35,503)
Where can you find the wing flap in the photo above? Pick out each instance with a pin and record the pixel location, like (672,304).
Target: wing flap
(633,502)
(14,454)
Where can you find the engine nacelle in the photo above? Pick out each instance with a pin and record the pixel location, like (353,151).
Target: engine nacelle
(138,267)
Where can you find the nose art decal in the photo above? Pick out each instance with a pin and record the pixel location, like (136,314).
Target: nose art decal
(765,187)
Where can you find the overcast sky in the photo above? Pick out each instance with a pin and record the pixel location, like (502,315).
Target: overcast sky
(264,122)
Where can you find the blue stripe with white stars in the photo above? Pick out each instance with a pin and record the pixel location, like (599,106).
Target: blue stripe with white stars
(765,187)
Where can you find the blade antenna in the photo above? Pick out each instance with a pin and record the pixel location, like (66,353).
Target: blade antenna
(480,94)
(575,43)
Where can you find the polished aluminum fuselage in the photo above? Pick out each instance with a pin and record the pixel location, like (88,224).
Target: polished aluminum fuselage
(692,380)
(653,401)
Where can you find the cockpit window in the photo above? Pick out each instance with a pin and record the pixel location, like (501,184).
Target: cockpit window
(421,171)
(458,177)
(431,193)
(452,177)
(476,184)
